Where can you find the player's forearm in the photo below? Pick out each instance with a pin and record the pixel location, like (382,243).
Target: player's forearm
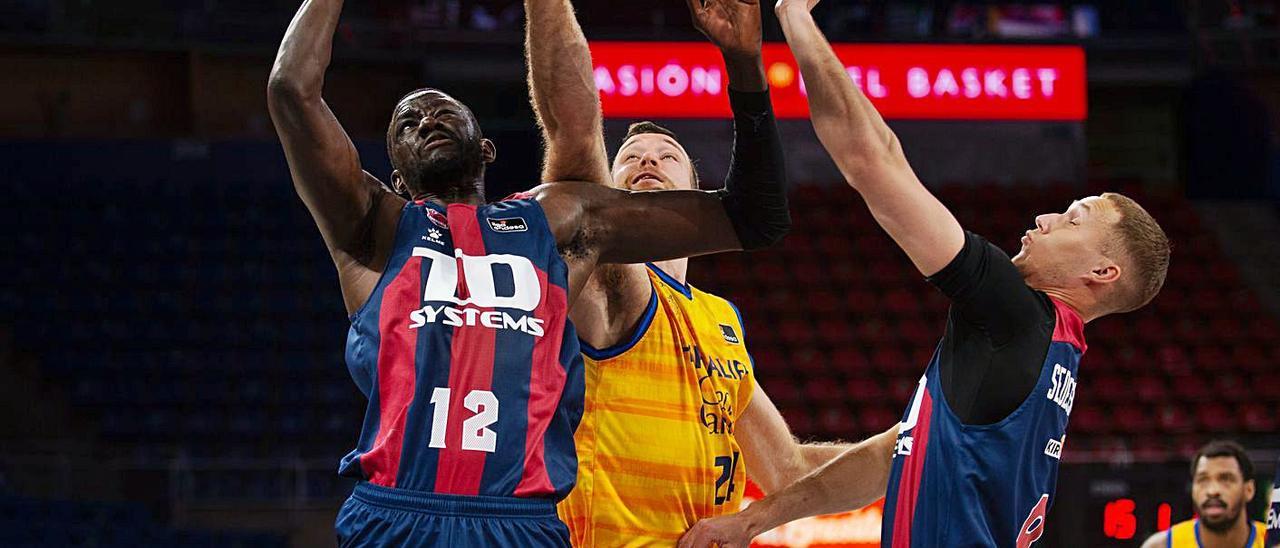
(815,455)
(755,197)
(745,71)
(561,84)
(305,52)
(856,478)
(846,122)
(782,467)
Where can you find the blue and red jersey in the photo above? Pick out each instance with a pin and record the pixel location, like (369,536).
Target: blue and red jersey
(954,484)
(467,357)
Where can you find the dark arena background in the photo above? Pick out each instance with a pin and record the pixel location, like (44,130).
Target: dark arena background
(171,334)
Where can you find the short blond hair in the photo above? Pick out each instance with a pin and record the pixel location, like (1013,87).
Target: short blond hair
(1141,240)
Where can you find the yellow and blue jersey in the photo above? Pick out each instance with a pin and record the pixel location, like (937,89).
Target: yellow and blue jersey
(656,447)
(1187,535)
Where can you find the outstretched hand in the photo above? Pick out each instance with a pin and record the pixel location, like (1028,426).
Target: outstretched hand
(732,25)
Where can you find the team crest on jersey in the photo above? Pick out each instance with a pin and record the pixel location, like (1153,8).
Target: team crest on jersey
(438,218)
(730,336)
(510,224)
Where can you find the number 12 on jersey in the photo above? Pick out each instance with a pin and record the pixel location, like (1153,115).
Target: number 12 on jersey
(476,435)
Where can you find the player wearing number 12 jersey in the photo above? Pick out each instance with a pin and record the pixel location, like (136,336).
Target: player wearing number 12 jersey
(459,337)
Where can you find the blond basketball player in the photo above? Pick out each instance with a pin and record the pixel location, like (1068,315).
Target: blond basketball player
(673,416)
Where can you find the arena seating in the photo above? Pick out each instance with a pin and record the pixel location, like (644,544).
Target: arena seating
(205,320)
(30,523)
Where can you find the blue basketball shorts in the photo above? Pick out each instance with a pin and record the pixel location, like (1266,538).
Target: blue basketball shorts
(382,516)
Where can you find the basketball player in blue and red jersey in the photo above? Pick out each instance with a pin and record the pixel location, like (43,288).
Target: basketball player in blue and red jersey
(974,461)
(1222,486)
(459,335)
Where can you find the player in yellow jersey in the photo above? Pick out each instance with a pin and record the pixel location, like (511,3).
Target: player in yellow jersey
(1221,487)
(673,417)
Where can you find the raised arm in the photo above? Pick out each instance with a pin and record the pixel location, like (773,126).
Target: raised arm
(855,479)
(563,91)
(350,207)
(866,150)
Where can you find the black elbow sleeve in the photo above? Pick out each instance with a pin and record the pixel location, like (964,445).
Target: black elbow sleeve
(755,191)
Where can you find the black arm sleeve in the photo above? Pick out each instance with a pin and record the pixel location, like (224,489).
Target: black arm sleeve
(755,191)
(998,331)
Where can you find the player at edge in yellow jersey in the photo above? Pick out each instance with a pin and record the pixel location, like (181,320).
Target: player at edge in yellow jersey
(672,414)
(1222,486)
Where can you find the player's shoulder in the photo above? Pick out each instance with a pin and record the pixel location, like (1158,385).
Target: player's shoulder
(1158,540)
(722,309)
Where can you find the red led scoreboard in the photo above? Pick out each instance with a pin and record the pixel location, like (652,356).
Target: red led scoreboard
(687,80)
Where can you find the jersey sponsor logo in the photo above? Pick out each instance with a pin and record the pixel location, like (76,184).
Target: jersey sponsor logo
(477,273)
(729,335)
(508,225)
(471,317)
(1054,448)
(438,218)
(717,382)
(903,446)
(1063,391)
(433,236)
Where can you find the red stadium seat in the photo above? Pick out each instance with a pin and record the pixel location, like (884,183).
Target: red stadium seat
(1089,420)
(783,393)
(1132,419)
(865,391)
(799,420)
(824,392)
(1192,389)
(796,333)
(875,419)
(891,361)
(837,422)
(902,389)
(1111,389)
(808,363)
(835,333)
(1215,418)
(1150,389)
(1250,358)
(1173,419)
(1210,358)
(823,303)
(851,360)
(1173,360)
(1260,418)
